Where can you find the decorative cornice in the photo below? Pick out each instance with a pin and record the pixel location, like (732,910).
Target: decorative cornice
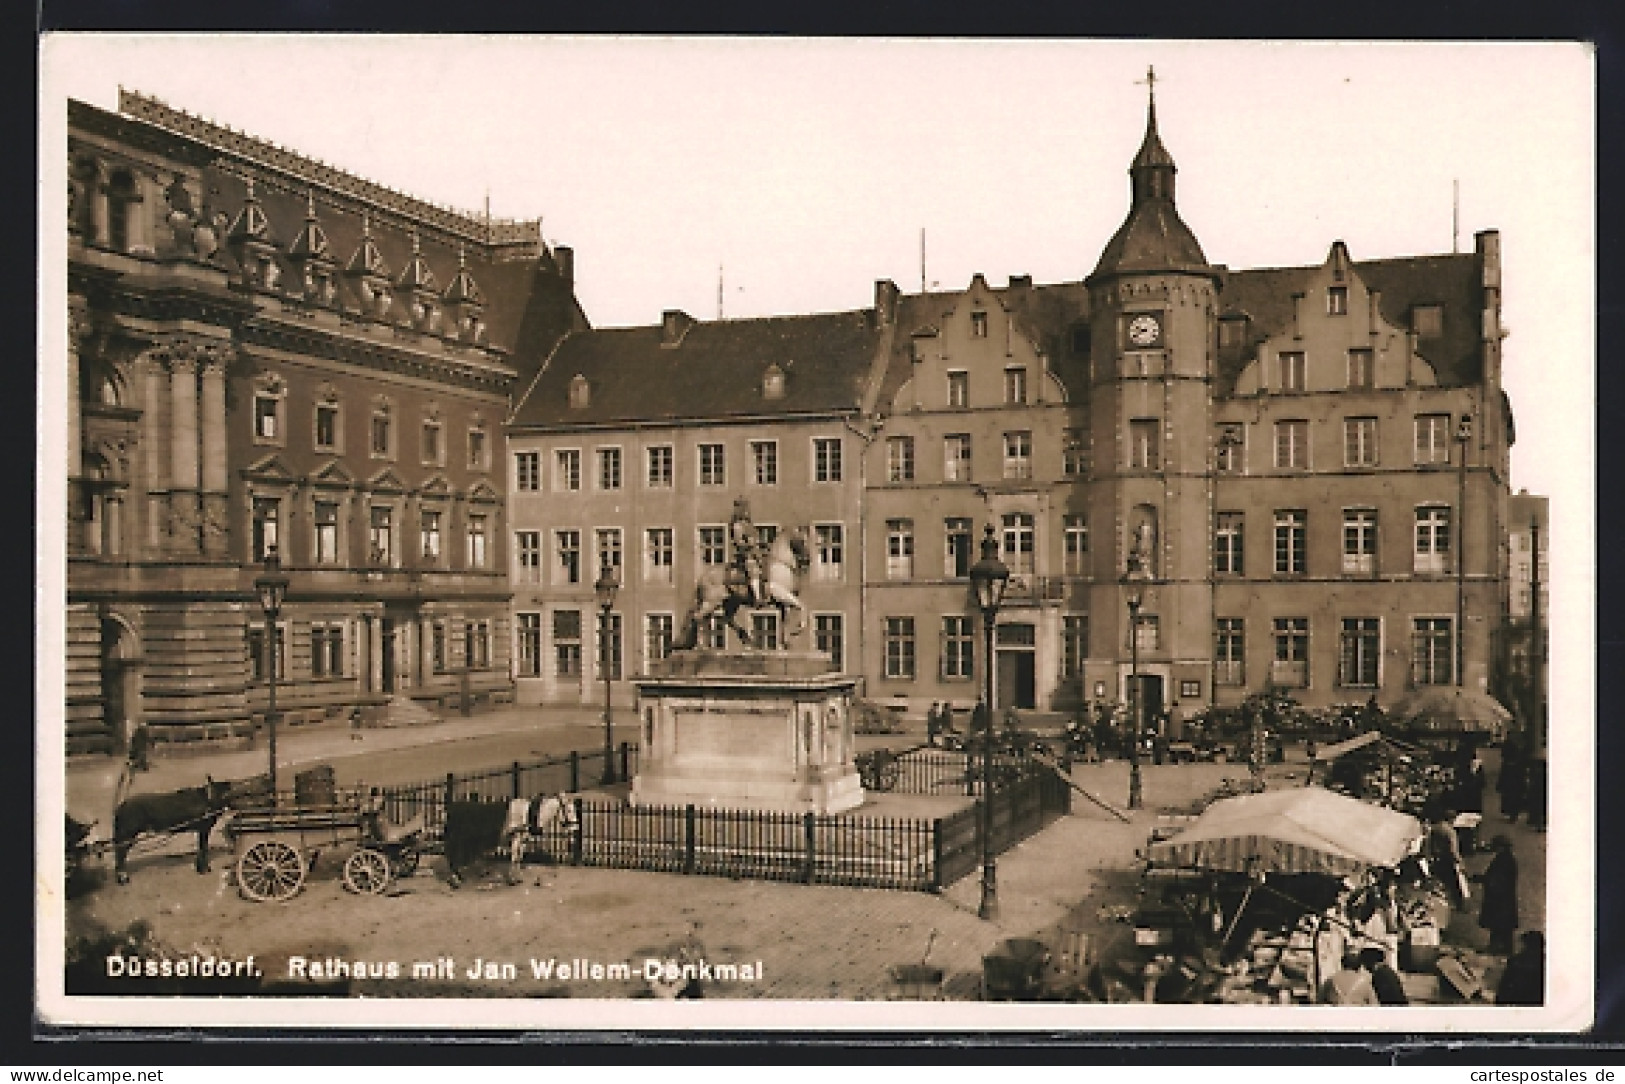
(312,343)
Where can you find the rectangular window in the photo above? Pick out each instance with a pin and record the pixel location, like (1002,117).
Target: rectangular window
(1229,445)
(958,388)
(1432,648)
(381,434)
(1018,454)
(1358,650)
(1074,454)
(1290,668)
(609,552)
(567,548)
(430,529)
(431,443)
(1015,385)
(327,650)
(1433,438)
(829,638)
(764,461)
(958,648)
(529,664)
(1074,545)
(256,652)
(956,457)
(1337,300)
(1427,321)
(1148,631)
(477,645)
(659,554)
(1292,445)
(829,551)
(567,643)
(1432,539)
(1362,369)
(1294,375)
(1227,544)
(900,459)
(661,463)
(978,325)
(265,420)
(900,647)
(826,459)
(764,628)
(327,426)
(1359,442)
(1018,542)
(1074,645)
(437,646)
(1144,444)
(899,549)
(477,554)
(713,546)
(478,450)
(527,472)
(1359,541)
(327,533)
(528,544)
(1230,652)
(713,468)
(609,468)
(567,470)
(957,533)
(657,636)
(380,535)
(608,656)
(714,634)
(1291,542)
(267,516)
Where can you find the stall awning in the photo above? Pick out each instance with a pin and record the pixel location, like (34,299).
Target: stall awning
(1383,743)
(1302,830)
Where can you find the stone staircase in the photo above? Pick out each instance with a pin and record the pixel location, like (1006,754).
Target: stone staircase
(398,711)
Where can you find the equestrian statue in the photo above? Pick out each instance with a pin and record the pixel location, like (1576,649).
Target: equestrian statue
(759,575)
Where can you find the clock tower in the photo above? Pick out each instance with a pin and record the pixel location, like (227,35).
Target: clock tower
(1153,302)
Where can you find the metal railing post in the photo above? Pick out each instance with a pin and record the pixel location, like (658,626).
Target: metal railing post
(810,826)
(688,839)
(575,771)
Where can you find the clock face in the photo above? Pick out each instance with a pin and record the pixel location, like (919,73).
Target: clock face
(1144,330)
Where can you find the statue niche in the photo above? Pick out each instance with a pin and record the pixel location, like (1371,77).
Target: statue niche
(1144,555)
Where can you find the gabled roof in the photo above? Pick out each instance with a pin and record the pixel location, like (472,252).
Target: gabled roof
(715,370)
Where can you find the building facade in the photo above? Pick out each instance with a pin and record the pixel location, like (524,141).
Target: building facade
(267,354)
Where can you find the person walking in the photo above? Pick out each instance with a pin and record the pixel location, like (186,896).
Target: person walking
(1444,860)
(933,723)
(1385,981)
(1535,795)
(1499,911)
(1524,981)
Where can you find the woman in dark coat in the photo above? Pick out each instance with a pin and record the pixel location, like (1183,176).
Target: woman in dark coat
(1499,911)
(1524,981)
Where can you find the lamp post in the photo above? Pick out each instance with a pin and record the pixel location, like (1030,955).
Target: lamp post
(988,579)
(272,588)
(605,589)
(1464,433)
(1134,699)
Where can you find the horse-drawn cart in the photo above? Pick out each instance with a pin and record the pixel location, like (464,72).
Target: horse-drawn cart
(276,848)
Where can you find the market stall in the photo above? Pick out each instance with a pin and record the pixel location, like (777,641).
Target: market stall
(1381,768)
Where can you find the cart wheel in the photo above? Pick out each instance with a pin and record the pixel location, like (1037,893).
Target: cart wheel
(406,863)
(366,872)
(270,870)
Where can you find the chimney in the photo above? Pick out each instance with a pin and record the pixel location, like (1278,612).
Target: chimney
(565,257)
(885,302)
(1021,282)
(674,324)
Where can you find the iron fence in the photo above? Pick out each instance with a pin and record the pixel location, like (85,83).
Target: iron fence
(521,779)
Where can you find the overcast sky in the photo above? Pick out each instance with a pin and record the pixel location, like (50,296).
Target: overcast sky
(807,169)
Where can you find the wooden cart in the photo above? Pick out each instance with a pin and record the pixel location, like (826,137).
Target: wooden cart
(276,847)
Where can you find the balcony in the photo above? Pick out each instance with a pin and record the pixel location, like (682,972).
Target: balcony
(1025,588)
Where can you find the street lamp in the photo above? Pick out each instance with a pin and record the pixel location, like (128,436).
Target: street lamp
(272,588)
(605,589)
(1134,699)
(988,579)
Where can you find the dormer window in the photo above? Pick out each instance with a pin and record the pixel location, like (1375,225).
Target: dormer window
(978,325)
(580,393)
(1337,300)
(1427,321)
(773,383)
(1232,331)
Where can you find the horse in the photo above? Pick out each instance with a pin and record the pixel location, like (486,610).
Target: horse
(167,814)
(726,591)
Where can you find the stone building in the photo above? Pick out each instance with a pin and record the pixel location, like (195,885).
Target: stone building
(268,353)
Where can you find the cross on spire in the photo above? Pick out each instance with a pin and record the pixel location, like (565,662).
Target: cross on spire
(1149,82)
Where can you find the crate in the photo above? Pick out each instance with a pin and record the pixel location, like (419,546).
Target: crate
(316,786)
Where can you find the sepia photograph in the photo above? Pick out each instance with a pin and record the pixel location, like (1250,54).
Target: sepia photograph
(600,532)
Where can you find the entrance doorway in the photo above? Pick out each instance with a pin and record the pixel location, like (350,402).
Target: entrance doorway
(120,664)
(386,636)
(1149,699)
(1016,680)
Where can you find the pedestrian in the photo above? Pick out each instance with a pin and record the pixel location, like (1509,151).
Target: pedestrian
(140,748)
(1384,979)
(946,717)
(1511,782)
(1535,796)
(933,723)
(1470,785)
(1524,980)
(1350,985)
(1499,911)
(1444,859)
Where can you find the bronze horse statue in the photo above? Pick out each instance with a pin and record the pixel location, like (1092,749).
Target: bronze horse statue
(760,584)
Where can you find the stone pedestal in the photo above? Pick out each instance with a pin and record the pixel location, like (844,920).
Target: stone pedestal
(767,730)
